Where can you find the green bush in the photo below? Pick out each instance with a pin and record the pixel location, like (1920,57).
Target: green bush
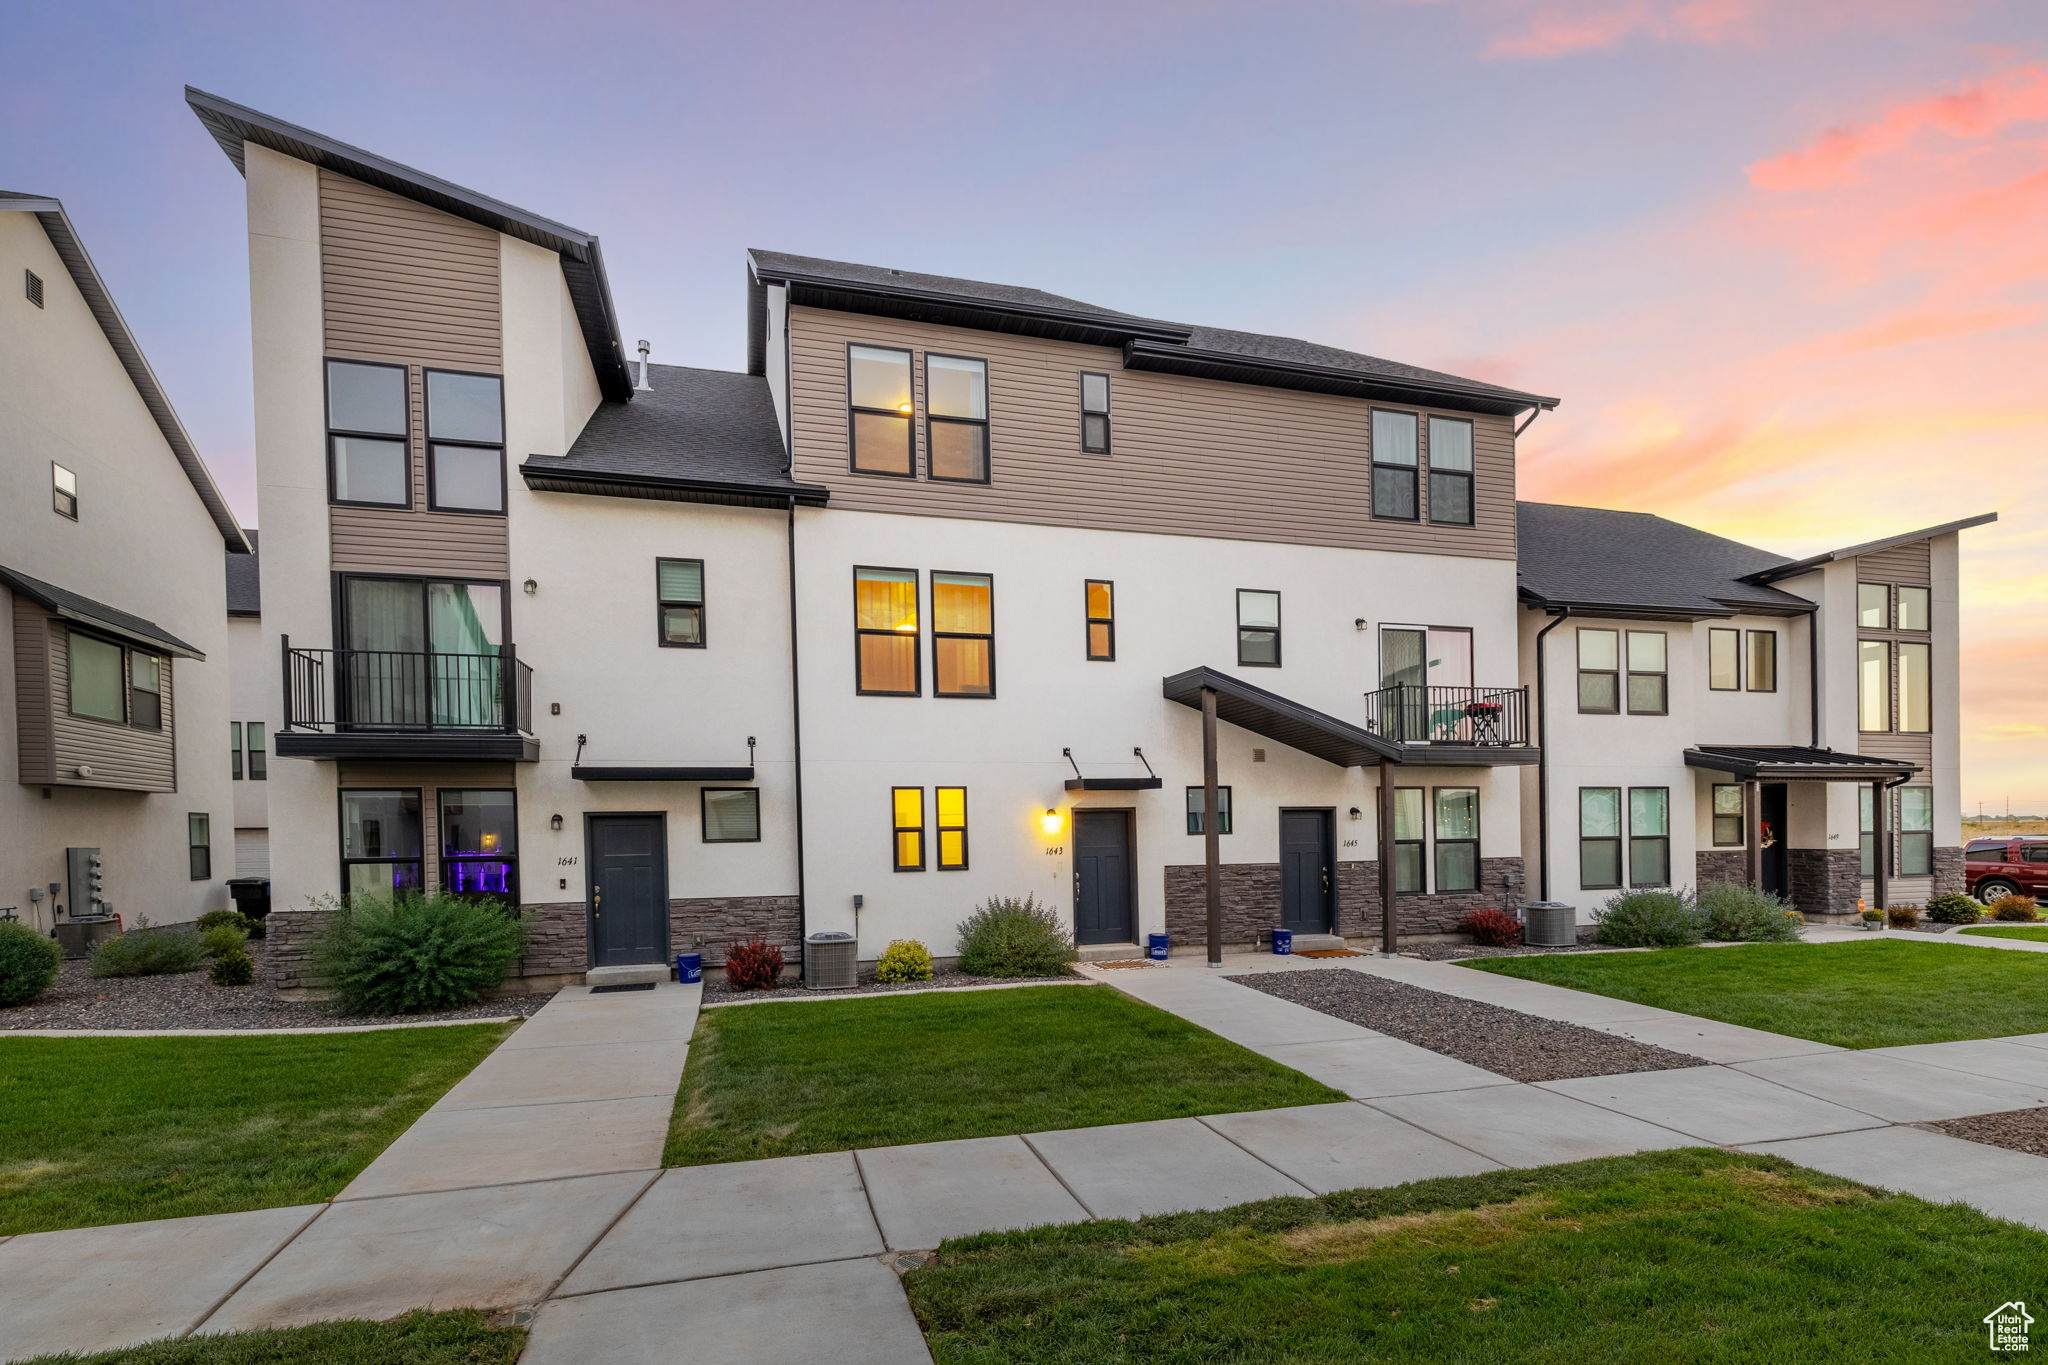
(2016,908)
(905,959)
(144,951)
(221,939)
(1014,938)
(1649,919)
(1953,908)
(28,963)
(410,953)
(231,919)
(232,968)
(1736,913)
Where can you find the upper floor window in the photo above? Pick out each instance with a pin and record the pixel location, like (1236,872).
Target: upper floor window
(1724,660)
(1599,670)
(956,418)
(1913,609)
(367,458)
(114,683)
(235,750)
(259,770)
(63,491)
(145,691)
(1873,606)
(963,635)
(1916,711)
(1450,471)
(880,411)
(465,442)
(1258,628)
(1873,685)
(885,632)
(1095,414)
(1101,608)
(679,586)
(1762,674)
(1393,465)
(1649,683)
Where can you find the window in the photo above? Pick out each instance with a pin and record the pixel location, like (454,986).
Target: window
(1873,685)
(1724,660)
(1913,609)
(1649,836)
(1873,606)
(731,815)
(679,590)
(1763,661)
(956,418)
(145,691)
(465,442)
(366,435)
(1649,683)
(1866,831)
(63,491)
(963,635)
(258,745)
(1195,810)
(1095,414)
(1916,715)
(199,845)
(235,750)
(1728,814)
(32,286)
(423,652)
(1916,831)
(94,668)
(1450,471)
(908,805)
(1599,838)
(951,803)
(1599,671)
(1101,608)
(1258,628)
(1393,465)
(1408,846)
(1457,839)
(885,632)
(380,842)
(879,411)
(480,844)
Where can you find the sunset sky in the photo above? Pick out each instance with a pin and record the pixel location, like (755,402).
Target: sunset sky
(1785,261)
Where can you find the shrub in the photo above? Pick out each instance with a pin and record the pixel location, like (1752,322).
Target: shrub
(1014,938)
(1953,908)
(232,968)
(409,952)
(1735,913)
(2015,907)
(1902,916)
(28,963)
(1871,916)
(1649,919)
(905,959)
(144,951)
(222,939)
(1492,928)
(754,966)
(232,919)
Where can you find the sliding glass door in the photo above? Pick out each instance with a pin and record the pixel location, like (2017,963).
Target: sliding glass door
(423,653)
(1415,663)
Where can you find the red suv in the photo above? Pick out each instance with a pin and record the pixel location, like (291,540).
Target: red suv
(2015,863)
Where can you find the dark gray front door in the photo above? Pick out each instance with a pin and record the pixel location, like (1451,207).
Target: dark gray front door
(1776,874)
(1307,866)
(628,890)
(1102,877)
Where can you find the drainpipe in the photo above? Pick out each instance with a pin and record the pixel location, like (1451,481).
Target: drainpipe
(1813,672)
(796,732)
(1543,761)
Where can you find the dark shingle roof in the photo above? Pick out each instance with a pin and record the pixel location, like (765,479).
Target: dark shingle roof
(1766,760)
(1592,558)
(782,264)
(75,607)
(245,594)
(1794,567)
(698,435)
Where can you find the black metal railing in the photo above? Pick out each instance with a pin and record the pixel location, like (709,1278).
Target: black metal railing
(385,690)
(1485,717)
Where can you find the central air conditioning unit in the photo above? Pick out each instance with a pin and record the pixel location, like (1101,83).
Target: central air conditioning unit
(831,961)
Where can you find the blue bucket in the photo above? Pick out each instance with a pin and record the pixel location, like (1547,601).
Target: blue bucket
(689,967)
(1156,946)
(1283,942)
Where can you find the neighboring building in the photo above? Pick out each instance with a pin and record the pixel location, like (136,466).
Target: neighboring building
(113,635)
(922,609)
(253,663)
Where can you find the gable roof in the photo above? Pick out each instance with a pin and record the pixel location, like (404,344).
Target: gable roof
(1597,561)
(245,585)
(1868,547)
(100,302)
(582,262)
(1148,343)
(76,607)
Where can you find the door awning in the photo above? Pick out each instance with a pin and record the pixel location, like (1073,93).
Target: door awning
(1796,763)
(1283,721)
(587,773)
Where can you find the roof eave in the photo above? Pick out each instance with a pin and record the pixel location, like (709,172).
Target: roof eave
(547,478)
(1234,367)
(1778,572)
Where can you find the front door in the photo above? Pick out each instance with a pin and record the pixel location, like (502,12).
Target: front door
(1307,866)
(1102,877)
(628,890)
(1776,878)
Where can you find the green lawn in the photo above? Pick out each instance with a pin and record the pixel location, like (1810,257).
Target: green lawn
(118,1130)
(826,1076)
(1878,994)
(460,1337)
(1696,1255)
(2037,932)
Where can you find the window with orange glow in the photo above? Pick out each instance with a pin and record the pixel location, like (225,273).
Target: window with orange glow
(885,632)
(1101,620)
(952,826)
(963,635)
(880,413)
(908,804)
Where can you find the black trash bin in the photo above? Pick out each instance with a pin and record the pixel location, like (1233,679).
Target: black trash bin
(251,896)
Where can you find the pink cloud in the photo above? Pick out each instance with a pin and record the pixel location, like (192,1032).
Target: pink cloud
(1563,29)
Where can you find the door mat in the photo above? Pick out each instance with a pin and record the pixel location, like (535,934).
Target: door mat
(1328,952)
(632,986)
(1133,962)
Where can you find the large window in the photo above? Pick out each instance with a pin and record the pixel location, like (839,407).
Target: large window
(1100,596)
(1916,712)
(907,807)
(1457,839)
(258,738)
(679,590)
(1873,606)
(1649,836)
(1762,661)
(465,442)
(380,842)
(1866,830)
(880,411)
(1450,471)
(1873,685)
(951,809)
(1393,465)
(1258,628)
(1095,414)
(63,491)
(199,846)
(480,844)
(110,682)
(1410,852)
(885,632)
(1728,814)
(367,454)
(1196,806)
(1724,660)
(1599,838)
(424,653)
(1599,670)
(731,815)
(956,418)
(963,635)
(1649,683)
(1914,613)
(1916,831)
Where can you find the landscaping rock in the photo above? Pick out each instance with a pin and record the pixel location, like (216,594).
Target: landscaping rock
(718,992)
(2019,1130)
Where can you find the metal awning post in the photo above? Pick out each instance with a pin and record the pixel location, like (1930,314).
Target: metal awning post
(1390,933)
(1753,823)
(1881,836)
(1212,847)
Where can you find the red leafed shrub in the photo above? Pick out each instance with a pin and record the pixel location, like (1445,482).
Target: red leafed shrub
(1492,928)
(753,966)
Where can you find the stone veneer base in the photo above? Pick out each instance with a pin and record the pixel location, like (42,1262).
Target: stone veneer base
(1251,901)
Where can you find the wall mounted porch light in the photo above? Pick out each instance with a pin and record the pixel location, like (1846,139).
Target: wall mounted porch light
(1050,822)
(531,587)
(554,822)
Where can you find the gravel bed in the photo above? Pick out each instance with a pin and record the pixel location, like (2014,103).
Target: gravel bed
(1454,952)
(2021,1130)
(1923,927)
(189,1000)
(717,991)
(1521,1047)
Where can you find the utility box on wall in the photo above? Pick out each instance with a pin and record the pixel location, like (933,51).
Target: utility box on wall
(84,885)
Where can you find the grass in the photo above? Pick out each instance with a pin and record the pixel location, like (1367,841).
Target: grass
(1696,1255)
(1878,994)
(460,1337)
(778,1080)
(2036,932)
(119,1130)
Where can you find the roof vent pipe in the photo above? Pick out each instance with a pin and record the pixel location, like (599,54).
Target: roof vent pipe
(643,386)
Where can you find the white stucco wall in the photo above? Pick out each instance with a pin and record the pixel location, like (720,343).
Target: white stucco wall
(253,667)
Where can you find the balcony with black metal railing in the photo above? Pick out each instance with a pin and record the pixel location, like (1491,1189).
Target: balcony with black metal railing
(407,704)
(1483,718)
